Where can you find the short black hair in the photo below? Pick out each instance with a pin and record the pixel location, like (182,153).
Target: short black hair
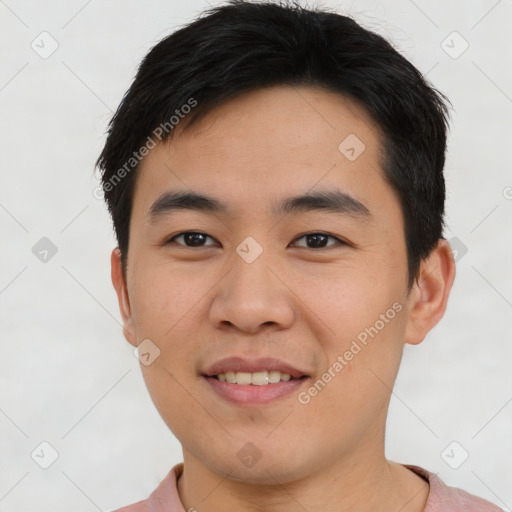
(242,46)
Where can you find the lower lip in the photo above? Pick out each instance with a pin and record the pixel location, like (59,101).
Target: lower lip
(251,394)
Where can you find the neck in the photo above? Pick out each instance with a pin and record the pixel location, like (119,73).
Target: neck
(348,486)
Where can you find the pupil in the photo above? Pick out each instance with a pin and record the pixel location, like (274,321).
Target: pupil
(189,237)
(317,239)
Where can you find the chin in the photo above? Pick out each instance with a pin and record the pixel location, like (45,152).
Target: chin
(259,467)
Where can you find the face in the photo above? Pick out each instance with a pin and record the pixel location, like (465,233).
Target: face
(318,283)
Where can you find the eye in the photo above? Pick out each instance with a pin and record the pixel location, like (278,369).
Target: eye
(191,239)
(319,240)
(312,240)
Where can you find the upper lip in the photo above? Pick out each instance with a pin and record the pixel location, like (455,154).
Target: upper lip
(241,364)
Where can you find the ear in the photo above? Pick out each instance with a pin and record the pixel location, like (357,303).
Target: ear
(119,282)
(429,295)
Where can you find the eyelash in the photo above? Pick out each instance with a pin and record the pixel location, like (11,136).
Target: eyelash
(339,242)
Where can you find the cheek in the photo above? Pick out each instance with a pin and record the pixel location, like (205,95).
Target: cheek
(352,393)
(170,307)
(162,298)
(363,341)
(348,297)
(165,306)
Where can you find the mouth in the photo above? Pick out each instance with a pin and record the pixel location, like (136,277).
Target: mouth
(253,382)
(262,378)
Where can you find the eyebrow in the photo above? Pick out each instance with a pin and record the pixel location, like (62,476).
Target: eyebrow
(333,201)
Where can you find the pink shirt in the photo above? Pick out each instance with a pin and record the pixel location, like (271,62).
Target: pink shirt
(441,497)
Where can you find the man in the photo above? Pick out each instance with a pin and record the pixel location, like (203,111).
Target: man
(275,178)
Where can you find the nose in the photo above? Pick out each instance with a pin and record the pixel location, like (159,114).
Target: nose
(253,296)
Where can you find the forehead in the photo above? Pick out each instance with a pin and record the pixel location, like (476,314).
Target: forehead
(268,144)
(285,118)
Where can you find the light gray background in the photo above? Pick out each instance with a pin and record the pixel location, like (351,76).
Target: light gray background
(68,376)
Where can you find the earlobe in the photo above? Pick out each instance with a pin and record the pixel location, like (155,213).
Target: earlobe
(429,296)
(119,282)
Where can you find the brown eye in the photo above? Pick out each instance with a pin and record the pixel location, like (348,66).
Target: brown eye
(191,239)
(318,240)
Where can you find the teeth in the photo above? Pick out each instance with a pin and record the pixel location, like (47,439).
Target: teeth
(230,377)
(256,379)
(243,378)
(274,377)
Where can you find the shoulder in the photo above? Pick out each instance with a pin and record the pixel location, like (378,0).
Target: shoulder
(140,506)
(444,498)
(164,498)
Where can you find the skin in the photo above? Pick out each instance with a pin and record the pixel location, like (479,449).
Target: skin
(295,302)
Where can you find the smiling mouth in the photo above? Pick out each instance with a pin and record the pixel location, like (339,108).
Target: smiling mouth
(243,393)
(262,378)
